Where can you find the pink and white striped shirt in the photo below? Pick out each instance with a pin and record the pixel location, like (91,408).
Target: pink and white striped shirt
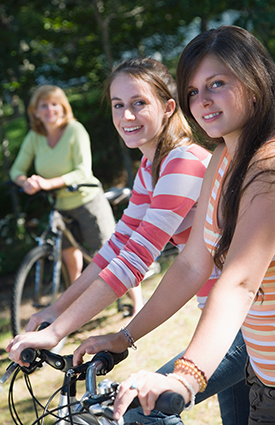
(155,215)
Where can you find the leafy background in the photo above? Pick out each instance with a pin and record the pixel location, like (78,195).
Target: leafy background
(75,44)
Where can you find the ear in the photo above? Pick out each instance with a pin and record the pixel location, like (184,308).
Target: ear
(169,108)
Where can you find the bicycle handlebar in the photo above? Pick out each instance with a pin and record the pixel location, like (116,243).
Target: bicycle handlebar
(169,402)
(107,359)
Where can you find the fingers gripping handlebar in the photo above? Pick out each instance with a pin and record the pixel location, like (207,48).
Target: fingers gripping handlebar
(106,359)
(168,402)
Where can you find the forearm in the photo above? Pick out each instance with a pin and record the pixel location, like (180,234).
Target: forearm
(91,302)
(76,289)
(56,182)
(222,317)
(177,287)
(49,184)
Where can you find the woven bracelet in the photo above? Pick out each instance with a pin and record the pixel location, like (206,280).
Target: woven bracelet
(128,335)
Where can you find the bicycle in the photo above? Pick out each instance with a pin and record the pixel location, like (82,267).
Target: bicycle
(95,406)
(42,275)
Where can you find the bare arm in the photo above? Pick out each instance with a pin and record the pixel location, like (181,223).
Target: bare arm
(251,251)
(50,313)
(92,301)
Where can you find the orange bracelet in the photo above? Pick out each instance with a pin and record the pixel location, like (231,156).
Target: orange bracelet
(187,366)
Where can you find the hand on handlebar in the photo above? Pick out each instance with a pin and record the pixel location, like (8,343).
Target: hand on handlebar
(116,343)
(150,386)
(46,315)
(31,185)
(42,339)
(44,184)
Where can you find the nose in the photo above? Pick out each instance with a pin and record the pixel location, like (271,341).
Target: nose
(49,107)
(128,114)
(205,98)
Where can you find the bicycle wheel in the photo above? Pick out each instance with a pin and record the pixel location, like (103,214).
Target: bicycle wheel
(28,297)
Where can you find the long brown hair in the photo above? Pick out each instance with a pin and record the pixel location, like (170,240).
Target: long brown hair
(164,86)
(246,57)
(46,92)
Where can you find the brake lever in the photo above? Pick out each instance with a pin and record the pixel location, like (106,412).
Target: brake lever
(9,371)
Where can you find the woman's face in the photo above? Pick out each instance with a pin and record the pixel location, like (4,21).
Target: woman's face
(50,111)
(138,114)
(218,100)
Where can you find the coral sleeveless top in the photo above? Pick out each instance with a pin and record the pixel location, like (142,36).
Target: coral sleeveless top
(259,326)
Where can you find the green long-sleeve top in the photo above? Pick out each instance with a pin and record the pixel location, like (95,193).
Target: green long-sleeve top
(70,158)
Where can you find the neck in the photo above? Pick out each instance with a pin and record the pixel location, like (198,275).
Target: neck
(231,145)
(54,134)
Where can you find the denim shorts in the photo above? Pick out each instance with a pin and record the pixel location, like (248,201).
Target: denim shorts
(262,399)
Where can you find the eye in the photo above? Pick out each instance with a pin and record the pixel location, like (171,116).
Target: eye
(140,102)
(117,105)
(216,84)
(192,93)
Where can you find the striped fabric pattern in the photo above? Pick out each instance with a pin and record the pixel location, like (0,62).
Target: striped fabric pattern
(154,217)
(259,326)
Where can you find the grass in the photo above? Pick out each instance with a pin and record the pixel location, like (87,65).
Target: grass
(153,351)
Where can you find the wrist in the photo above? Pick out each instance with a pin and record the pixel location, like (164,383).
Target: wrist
(186,366)
(128,337)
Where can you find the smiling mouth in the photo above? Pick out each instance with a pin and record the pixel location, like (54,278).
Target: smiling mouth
(131,129)
(207,117)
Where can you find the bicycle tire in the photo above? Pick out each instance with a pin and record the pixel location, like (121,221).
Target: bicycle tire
(23,292)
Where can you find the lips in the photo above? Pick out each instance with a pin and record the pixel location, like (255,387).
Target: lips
(131,129)
(212,115)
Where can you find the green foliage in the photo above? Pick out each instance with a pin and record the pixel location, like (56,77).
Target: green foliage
(75,43)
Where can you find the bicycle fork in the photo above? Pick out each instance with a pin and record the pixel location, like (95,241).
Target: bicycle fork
(74,415)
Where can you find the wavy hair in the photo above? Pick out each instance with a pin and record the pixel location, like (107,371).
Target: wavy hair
(164,86)
(46,92)
(247,59)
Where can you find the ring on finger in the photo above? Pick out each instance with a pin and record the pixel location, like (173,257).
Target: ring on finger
(135,386)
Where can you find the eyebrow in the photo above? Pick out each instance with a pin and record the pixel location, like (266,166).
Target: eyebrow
(136,96)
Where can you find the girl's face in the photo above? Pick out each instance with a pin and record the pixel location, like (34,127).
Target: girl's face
(218,100)
(138,114)
(50,111)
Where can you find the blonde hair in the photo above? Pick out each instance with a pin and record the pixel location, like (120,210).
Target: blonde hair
(46,92)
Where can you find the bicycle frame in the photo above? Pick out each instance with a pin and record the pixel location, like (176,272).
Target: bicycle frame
(53,236)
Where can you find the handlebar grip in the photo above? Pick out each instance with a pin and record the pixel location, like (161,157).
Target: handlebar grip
(28,355)
(43,326)
(109,360)
(118,357)
(169,402)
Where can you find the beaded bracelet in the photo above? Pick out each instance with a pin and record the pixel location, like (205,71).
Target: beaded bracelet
(188,386)
(188,366)
(128,335)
